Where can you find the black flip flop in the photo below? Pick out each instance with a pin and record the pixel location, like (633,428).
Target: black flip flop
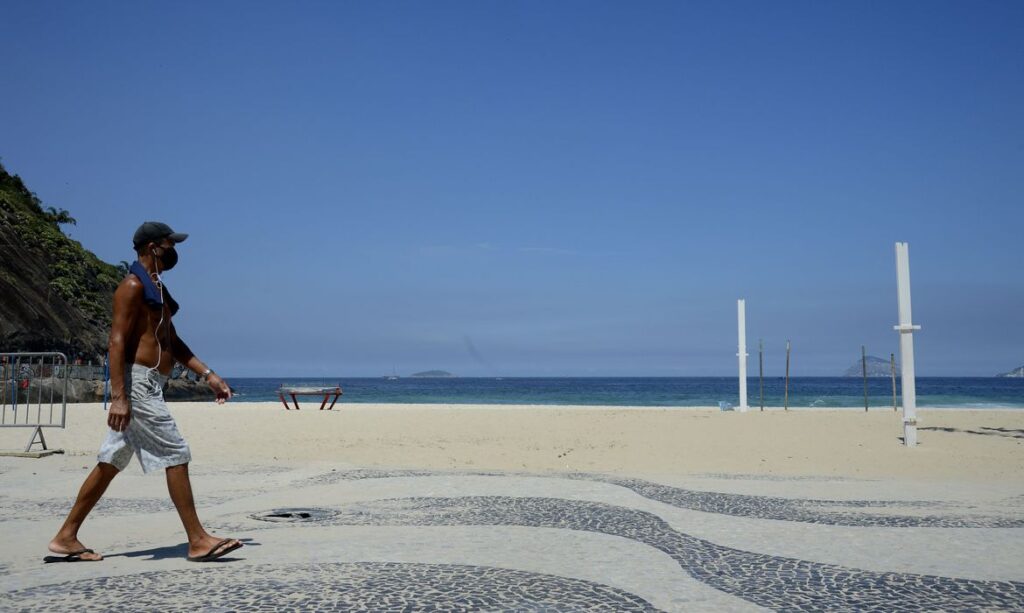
(210,555)
(71,556)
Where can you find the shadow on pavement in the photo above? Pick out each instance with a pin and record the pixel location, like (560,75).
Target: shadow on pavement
(176,551)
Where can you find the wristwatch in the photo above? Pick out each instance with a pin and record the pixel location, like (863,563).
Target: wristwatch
(206,373)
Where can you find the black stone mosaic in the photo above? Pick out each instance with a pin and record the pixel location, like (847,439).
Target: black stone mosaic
(779,478)
(829,512)
(782,584)
(363,586)
(107,506)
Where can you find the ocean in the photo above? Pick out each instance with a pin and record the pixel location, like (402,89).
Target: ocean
(804,392)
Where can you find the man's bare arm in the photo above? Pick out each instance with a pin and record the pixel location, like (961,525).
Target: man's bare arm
(183,354)
(127,301)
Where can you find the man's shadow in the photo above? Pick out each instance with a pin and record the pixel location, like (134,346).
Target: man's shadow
(175,551)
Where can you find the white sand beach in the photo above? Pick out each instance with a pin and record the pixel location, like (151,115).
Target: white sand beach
(954,444)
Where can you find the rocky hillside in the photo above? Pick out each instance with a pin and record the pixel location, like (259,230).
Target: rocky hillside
(54,294)
(877,367)
(1016,373)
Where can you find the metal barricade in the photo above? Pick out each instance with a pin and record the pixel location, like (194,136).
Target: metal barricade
(33,393)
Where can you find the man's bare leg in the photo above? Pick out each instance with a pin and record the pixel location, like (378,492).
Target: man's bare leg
(92,489)
(200,541)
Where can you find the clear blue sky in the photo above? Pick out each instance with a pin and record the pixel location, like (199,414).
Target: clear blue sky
(578,188)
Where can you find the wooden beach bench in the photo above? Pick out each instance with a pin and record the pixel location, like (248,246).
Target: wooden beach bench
(326,392)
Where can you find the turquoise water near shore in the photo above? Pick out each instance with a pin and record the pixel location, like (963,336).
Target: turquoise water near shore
(804,392)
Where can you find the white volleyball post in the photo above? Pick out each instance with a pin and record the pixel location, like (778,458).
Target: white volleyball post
(906,329)
(741,314)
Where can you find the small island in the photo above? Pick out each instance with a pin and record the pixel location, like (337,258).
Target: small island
(877,367)
(433,374)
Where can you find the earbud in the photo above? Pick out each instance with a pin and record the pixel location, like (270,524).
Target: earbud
(156,262)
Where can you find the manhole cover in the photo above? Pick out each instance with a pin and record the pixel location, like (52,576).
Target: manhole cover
(295,515)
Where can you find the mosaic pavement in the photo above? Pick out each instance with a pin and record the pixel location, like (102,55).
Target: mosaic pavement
(778,583)
(435,572)
(338,587)
(828,512)
(106,507)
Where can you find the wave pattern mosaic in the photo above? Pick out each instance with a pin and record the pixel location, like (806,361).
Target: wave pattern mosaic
(779,583)
(829,512)
(355,586)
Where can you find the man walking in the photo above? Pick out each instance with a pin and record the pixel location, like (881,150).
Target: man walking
(143,348)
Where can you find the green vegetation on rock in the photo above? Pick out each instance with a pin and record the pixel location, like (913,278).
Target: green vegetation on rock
(56,294)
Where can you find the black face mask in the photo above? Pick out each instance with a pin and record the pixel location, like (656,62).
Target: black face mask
(168,259)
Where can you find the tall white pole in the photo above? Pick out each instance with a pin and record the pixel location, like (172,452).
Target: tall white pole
(741,314)
(906,329)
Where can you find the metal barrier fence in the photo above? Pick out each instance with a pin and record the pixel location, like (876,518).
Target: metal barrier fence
(87,372)
(33,392)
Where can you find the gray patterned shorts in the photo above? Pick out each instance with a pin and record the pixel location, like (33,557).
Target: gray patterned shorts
(152,434)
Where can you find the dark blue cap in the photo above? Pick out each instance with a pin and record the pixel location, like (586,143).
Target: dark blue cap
(152,231)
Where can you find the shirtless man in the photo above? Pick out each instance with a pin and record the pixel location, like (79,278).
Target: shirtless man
(143,348)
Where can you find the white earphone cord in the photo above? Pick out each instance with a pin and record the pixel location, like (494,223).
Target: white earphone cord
(159,348)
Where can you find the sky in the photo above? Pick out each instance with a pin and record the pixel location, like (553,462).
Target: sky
(573,188)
